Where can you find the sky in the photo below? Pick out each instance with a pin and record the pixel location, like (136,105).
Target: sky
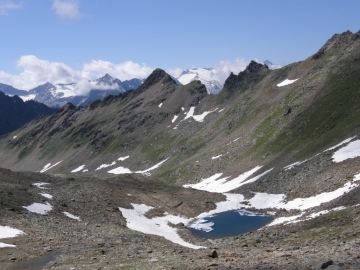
(64,41)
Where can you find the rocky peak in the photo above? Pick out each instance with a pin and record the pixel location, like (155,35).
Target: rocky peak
(156,76)
(253,73)
(336,43)
(107,80)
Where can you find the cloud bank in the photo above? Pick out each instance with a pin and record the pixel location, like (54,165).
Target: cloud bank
(35,71)
(67,9)
(8,5)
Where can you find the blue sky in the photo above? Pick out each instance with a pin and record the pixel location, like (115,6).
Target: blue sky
(69,40)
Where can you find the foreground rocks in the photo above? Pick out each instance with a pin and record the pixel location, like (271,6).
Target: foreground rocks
(101,239)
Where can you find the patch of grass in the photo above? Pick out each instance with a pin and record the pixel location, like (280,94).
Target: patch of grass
(157,145)
(334,113)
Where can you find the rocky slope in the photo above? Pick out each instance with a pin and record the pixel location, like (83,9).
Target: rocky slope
(295,129)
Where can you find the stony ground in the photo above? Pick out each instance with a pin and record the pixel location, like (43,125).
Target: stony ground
(101,239)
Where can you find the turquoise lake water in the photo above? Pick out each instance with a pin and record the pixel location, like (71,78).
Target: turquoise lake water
(229,223)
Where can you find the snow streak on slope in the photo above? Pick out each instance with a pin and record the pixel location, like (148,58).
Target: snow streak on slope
(49,166)
(286,82)
(213,184)
(123,170)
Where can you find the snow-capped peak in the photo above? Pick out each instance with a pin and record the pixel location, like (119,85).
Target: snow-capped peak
(207,76)
(105,80)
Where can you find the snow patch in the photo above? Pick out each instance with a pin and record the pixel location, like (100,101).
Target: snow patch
(8,232)
(213,184)
(78,169)
(216,157)
(49,166)
(340,144)
(39,208)
(123,158)
(14,137)
(28,97)
(352,150)
(48,196)
(120,170)
(160,105)
(136,220)
(41,184)
(105,166)
(174,118)
(286,82)
(71,216)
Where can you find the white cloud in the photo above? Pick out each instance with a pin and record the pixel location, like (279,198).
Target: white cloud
(4,6)
(175,72)
(67,9)
(35,71)
(124,71)
(224,68)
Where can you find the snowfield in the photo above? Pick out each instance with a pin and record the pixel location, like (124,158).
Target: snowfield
(137,221)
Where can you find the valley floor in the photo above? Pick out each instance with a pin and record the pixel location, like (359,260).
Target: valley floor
(101,240)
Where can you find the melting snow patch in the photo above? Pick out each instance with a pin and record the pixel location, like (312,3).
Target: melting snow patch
(41,184)
(39,208)
(160,105)
(105,166)
(340,144)
(284,220)
(213,184)
(3,245)
(120,170)
(14,137)
(123,158)
(78,169)
(352,150)
(46,195)
(221,110)
(86,170)
(71,216)
(8,232)
(137,221)
(49,166)
(286,82)
(216,157)
(265,200)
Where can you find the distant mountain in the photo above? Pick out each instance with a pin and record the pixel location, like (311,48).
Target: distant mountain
(271,65)
(57,95)
(9,90)
(207,76)
(14,112)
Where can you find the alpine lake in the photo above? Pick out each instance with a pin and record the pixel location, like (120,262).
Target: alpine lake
(228,223)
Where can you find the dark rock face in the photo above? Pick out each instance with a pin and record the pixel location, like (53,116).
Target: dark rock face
(14,112)
(253,73)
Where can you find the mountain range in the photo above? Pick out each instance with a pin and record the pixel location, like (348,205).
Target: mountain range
(57,95)
(136,168)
